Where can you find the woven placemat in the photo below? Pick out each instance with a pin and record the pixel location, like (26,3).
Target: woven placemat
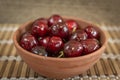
(13,67)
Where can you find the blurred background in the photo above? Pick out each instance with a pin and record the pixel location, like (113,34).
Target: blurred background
(95,11)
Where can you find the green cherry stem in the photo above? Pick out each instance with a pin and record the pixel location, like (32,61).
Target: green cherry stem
(61,54)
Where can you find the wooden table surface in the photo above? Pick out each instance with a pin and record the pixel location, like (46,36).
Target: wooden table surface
(13,67)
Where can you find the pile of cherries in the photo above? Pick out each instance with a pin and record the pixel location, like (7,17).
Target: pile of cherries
(56,37)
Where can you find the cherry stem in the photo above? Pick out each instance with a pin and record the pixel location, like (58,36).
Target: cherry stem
(74,29)
(61,54)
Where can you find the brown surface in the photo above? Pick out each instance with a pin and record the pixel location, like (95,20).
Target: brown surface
(11,66)
(96,11)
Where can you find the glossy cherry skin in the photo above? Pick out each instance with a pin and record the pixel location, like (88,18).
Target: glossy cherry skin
(43,41)
(44,20)
(39,50)
(72,25)
(55,44)
(60,30)
(54,19)
(39,29)
(27,34)
(92,32)
(73,49)
(28,42)
(79,35)
(90,45)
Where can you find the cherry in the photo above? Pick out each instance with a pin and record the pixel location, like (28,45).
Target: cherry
(39,50)
(54,19)
(55,44)
(79,35)
(44,20)
(43,41)
(92,32)
(27,34)
(73,48)
(28,42)
(59,29)
(39,29)
(90,45)
(72,25)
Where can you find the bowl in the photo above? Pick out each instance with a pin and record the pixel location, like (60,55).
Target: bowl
(59,68)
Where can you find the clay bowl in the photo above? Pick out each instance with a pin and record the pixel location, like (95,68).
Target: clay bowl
(58,67)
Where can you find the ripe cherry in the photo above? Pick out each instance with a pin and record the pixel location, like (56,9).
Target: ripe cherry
(39,29)
(28,42)
(73,48)
(55,44)
(44,20)
(92,32)
(39,50)
(60,30)
(72,25)
(43,41)
(54,19)
(79,35)
(90,45)
(27,34)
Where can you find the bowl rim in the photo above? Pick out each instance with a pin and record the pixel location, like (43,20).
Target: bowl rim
(55,58)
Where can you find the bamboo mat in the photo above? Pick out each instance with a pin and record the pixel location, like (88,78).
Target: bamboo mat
(13,67)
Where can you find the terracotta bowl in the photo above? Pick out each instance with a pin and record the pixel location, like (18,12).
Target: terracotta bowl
(58,67)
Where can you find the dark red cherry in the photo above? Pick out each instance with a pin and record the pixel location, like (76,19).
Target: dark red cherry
(39,29)
(90,45)
(92,32)
(44,20)
(55,44)
(73,48)
(39,50)
(43,41)
(72,25)
(28,42)
(27,34)
(54,19)
(79,35)
(59,29)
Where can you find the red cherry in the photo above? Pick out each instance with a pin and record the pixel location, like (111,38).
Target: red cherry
(27,34)
(54,19)
(60,30)
(92,32)
(72,25)
(39,50)
(39,29)
(90,45)
(44,20)
(55,44)
(43,41)
(28,42)
(79,35)
(73,48)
